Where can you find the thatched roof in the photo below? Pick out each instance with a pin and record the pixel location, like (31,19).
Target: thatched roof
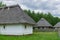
(14,14)
(42,22)
(57,25)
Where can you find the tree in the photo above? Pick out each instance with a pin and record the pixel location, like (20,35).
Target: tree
(1,4)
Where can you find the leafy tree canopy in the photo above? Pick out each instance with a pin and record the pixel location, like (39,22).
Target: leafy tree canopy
(1,4)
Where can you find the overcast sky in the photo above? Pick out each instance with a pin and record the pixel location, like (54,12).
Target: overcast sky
(52,6)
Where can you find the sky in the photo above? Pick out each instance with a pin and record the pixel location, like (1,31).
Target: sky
(45,6)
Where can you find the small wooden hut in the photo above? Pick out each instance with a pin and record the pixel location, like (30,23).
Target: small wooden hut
(43,24)
(57,27)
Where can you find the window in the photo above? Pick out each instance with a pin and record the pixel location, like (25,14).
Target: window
(38,27)
(42,27)
(33,27)
(25,26)
(4,26)
(8,8)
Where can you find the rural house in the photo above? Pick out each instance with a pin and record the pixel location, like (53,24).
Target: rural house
(57,26)
(13,21)
(43,25)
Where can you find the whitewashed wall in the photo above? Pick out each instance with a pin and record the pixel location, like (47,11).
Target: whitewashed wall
(28,30)
(16,30)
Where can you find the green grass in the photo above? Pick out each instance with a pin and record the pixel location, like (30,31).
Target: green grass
(34,36)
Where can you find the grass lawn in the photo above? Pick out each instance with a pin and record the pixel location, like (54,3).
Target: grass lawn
(34,36)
